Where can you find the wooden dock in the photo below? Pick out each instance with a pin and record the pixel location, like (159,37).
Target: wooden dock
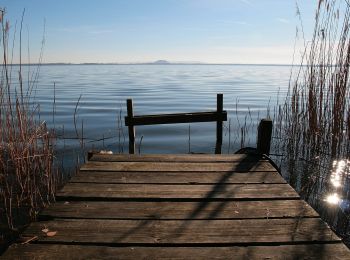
(178,206)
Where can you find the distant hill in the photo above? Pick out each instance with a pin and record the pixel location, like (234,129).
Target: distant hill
(158,62)
(161,62)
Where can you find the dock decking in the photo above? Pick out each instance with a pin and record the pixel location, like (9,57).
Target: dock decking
(178,206)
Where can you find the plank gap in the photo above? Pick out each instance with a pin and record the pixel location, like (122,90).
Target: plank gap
(111,244)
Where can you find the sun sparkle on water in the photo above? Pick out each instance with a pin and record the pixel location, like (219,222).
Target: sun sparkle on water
(333,199)
(340,170)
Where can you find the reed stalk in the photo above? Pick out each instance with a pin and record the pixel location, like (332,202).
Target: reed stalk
(28,179)
(312,126)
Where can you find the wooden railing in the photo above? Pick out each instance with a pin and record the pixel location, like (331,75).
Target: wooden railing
(219,116)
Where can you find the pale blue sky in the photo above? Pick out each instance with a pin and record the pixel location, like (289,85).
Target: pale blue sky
(213,31)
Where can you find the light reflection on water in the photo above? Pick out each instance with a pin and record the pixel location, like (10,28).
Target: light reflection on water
(333,199)
(340,171)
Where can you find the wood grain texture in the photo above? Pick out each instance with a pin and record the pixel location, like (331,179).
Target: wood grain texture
(168,191)
(178,177)
(177,232)
(286,252)
(173,158)
(178,166)
(179,210)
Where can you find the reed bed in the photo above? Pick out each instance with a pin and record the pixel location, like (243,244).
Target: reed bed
(28,178)
(312,125)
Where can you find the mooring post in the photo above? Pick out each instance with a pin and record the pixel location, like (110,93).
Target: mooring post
(219,110)
(131,128)
(264,136)
(89,155)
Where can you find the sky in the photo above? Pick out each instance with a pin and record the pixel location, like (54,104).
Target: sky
(123,31)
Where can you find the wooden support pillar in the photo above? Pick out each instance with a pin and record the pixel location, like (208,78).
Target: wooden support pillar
(264,136)
(219,109)
(131,128)
(89,155)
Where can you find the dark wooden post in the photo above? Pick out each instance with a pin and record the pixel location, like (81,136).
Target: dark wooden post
(89,155)
(131,127)
(219,109)
(264,136)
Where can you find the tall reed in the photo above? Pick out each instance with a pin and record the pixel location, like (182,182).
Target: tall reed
(314,121)
(27,176)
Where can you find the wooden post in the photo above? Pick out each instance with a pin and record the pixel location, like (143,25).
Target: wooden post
(131,127)
(219,109)
(89,155)
(264,136)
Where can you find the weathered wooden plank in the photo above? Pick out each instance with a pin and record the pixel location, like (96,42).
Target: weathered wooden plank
(173,158)
(179,210)
(177,177)
(176,118)
(167,191)
(224,218)
(286,252)
(178,166)
(177,232)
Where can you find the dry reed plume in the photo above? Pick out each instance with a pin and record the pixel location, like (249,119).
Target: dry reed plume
(27,176)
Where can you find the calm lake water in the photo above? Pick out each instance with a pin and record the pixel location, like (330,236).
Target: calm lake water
(248,91)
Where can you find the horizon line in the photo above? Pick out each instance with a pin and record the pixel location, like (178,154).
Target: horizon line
(150,63)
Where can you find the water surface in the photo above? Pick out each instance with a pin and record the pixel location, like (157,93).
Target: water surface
(248,92)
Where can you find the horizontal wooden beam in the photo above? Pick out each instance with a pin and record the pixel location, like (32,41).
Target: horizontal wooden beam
(176,118)
(178,210)
(175,192)
(176,232)
(62,251)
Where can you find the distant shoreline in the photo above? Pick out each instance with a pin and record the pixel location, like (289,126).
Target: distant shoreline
(148,63)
